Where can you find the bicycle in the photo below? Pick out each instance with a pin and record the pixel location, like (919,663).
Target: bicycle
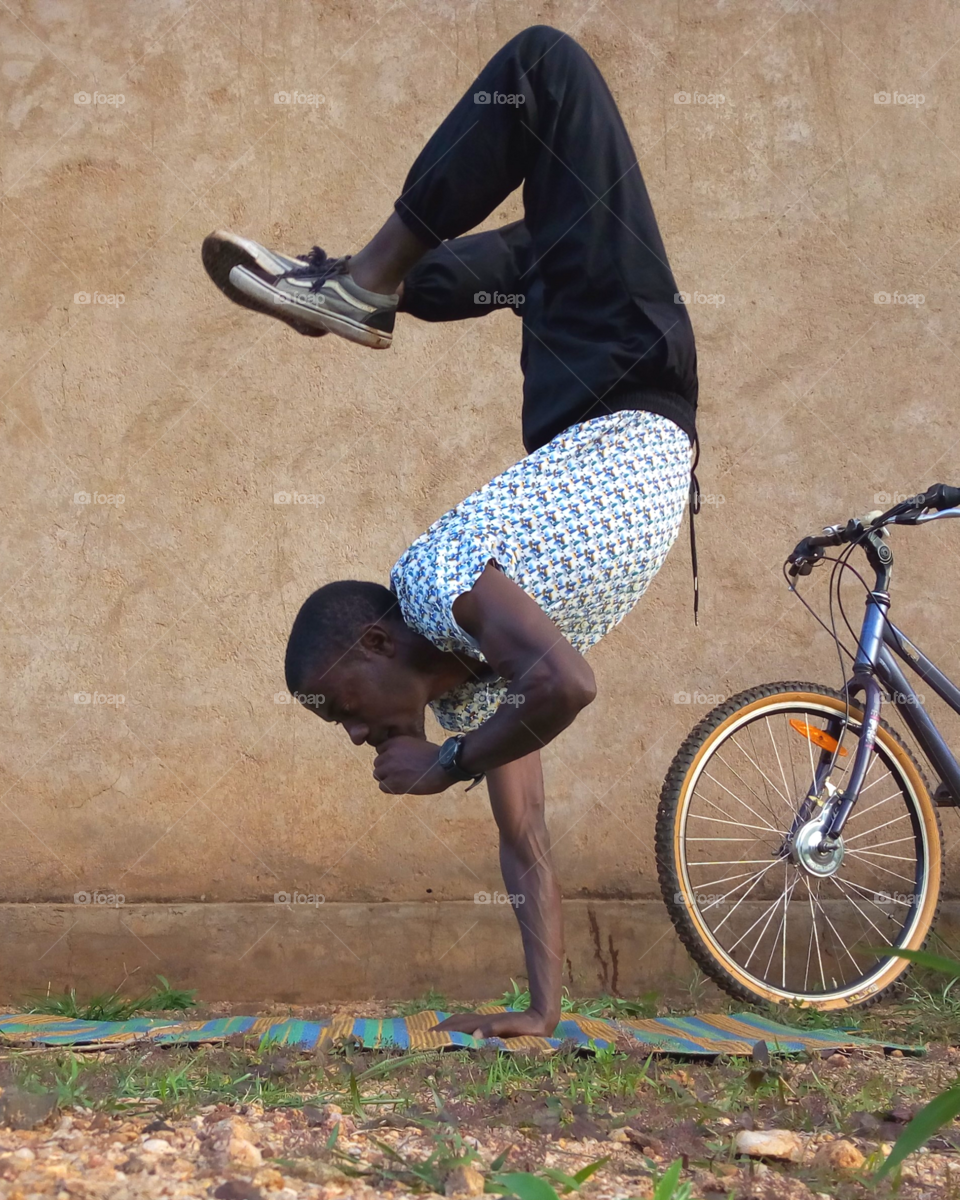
(788,870)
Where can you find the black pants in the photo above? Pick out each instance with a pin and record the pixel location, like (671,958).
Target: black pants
(586,269)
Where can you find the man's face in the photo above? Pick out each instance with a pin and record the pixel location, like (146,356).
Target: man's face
(371,693)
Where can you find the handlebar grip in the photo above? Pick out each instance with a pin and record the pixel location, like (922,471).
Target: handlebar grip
(941,496)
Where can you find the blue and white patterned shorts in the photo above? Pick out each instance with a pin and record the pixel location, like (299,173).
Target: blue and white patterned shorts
(582,525)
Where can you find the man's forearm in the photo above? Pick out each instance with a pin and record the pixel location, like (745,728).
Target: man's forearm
(516,795)
(526,721)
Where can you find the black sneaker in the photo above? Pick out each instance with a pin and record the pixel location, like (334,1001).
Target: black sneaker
(314,294)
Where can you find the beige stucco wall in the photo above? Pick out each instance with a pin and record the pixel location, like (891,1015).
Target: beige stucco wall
(796,199)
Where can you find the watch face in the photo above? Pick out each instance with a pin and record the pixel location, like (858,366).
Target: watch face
(448,753)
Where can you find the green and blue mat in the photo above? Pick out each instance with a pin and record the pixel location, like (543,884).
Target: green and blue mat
(687,1036)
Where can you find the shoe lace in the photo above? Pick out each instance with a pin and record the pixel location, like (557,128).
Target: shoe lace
(319,266)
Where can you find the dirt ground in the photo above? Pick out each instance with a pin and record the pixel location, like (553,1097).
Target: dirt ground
(232,1121)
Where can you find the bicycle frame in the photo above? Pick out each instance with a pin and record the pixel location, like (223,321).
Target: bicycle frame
(875,668)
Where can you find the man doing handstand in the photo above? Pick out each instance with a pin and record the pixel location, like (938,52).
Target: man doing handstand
(488,613)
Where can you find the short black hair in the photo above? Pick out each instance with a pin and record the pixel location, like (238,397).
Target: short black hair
(331,621)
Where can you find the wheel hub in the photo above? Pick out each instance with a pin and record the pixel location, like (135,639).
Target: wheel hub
(812,851)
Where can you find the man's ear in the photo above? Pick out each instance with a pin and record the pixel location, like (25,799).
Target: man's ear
(378,639)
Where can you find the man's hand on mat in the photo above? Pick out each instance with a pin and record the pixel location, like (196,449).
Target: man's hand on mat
(407,766)
(508,1024)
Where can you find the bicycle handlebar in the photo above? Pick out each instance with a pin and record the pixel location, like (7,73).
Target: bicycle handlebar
(809,551)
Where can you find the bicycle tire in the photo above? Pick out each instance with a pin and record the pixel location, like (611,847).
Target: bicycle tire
(686,768)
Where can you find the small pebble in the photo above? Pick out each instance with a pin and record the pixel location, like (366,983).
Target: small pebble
(770,1143)
(839,1155)
(157,1146)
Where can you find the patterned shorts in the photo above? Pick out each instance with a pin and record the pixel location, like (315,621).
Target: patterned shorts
(582,525)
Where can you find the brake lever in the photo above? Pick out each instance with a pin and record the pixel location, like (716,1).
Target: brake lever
(804,559)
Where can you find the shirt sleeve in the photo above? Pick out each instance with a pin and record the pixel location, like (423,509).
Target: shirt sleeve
(441,565)
(434,571)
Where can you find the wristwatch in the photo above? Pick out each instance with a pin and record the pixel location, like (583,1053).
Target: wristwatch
(449,759)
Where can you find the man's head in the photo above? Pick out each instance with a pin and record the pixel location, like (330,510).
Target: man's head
(351,659)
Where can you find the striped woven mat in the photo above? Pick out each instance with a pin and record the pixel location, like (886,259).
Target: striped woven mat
(713,1033)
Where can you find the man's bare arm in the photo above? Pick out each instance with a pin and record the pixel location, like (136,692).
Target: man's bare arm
(550,681)
(516,797)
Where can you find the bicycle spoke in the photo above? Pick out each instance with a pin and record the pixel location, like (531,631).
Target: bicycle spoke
(875,828)
(744,896)
(736,824)
(842,943)
(786,787)
(834,880)
(739,801)
(760,769)
(887,870)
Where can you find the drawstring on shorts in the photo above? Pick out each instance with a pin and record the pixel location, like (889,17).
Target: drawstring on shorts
(694,509)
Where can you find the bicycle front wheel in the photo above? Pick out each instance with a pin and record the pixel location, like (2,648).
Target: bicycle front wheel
(764,918)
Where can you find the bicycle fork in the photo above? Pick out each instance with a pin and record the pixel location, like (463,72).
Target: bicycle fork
(814,838)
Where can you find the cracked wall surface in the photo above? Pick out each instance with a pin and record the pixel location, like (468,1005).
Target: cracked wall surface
(146,430)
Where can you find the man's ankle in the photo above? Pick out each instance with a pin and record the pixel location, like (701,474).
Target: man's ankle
(373,280)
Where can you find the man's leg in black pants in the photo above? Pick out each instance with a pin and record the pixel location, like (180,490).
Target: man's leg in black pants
(608,323)
(471,276)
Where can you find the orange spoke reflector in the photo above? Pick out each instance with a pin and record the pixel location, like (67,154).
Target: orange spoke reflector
(817,736)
